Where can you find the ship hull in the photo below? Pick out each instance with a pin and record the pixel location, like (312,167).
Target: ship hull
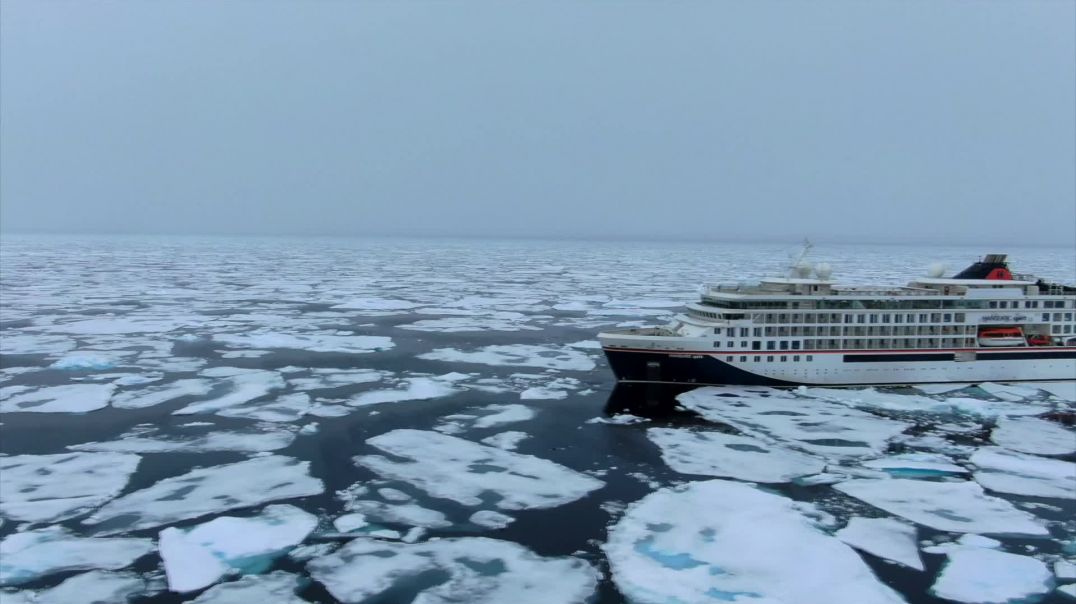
(839,368)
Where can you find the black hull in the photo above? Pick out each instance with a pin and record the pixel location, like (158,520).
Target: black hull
(697,369)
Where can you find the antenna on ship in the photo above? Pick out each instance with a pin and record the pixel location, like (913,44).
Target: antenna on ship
(800,267)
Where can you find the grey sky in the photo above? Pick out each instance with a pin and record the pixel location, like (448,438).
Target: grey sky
(911,120)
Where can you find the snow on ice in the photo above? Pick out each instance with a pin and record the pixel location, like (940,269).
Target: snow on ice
(721,541)
(453,468)
(1033,435)
(208,490)
(476,570)
(986,576)
(70,398)
(740,457)
(520,355)
(886,538)
(1007,471)
(31,554)
(47,488)
(960,507)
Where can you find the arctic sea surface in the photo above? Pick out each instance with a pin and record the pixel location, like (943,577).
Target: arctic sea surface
(321,420)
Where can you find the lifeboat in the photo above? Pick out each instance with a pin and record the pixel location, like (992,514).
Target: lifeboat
(1001,336)
(1039,340)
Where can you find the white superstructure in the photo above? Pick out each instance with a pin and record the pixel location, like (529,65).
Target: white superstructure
(983,324)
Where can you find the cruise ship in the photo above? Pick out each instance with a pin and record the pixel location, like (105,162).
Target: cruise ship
(982,324)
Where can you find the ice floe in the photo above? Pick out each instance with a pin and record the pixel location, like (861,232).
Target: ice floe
(912,465)
(44,488)
(323,379)
(986,576)
(28,555)
(740,457)
(1033,435)
(396,513)
(94,587)
(70,398)
(208,490)
(883,537)
(498,415)
(376,304)
(719,540)
(490,519)
(960,507)
(277,587)
(464,471)
(225,440)
(817,426)
(200,556)
(520,355)
(508,440)
(16,343)
(1006,471)
(160,393)
(316,342)
(1008,392)
(86,361)
(350,522)
(476,570)
(1065,391)
(242,385)
(414,389)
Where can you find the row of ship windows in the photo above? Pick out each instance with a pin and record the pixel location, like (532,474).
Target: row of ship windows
(866,318)
(856,344)
(892,304)
(770,358)
(874,330)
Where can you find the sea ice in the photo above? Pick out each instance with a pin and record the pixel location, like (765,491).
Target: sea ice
(520,355)
(1065,391)
(13,343)
(323,379)
(471,324)
(277,587)
(959,507)
(243,386)
(350,522)
(47,488)
(70,398)
(415,389)
(499,415)
(986,576)
(208,490)
(114,326)
(913,465)
(84,361)
(508,441)
(873,399)
(719,540)
(94,587)
(1008,392)
(1033,435)
(817,426)
(160,393)
(739,457)
(989,409)
(490,519)
(398,513)
(476,570)
(31,554)
(883,537)
(536,393)
(940,388)
(285,408)
(1007,471)
(197,557)
(226,440)
(316,342)
(376,304)
(465,471)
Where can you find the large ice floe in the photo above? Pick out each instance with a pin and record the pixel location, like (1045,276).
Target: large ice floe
(986,576)
(277,587)
(32,554)
(315,342)
(47,488)
(200,556)
(413,389)
(916,465)
(816,426)
(69,398)
(208,490)
(520,355)
(727,455)
(241,386)
(886,538)
(960,507)
(726,541)
(156,394)
(476,570)
(464,471)
(224,440)
(1007,471)
(93,587)
(1033,435)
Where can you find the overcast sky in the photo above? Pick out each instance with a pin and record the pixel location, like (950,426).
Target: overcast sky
(912,120)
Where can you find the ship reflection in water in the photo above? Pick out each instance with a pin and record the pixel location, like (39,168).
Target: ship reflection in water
(647,400)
